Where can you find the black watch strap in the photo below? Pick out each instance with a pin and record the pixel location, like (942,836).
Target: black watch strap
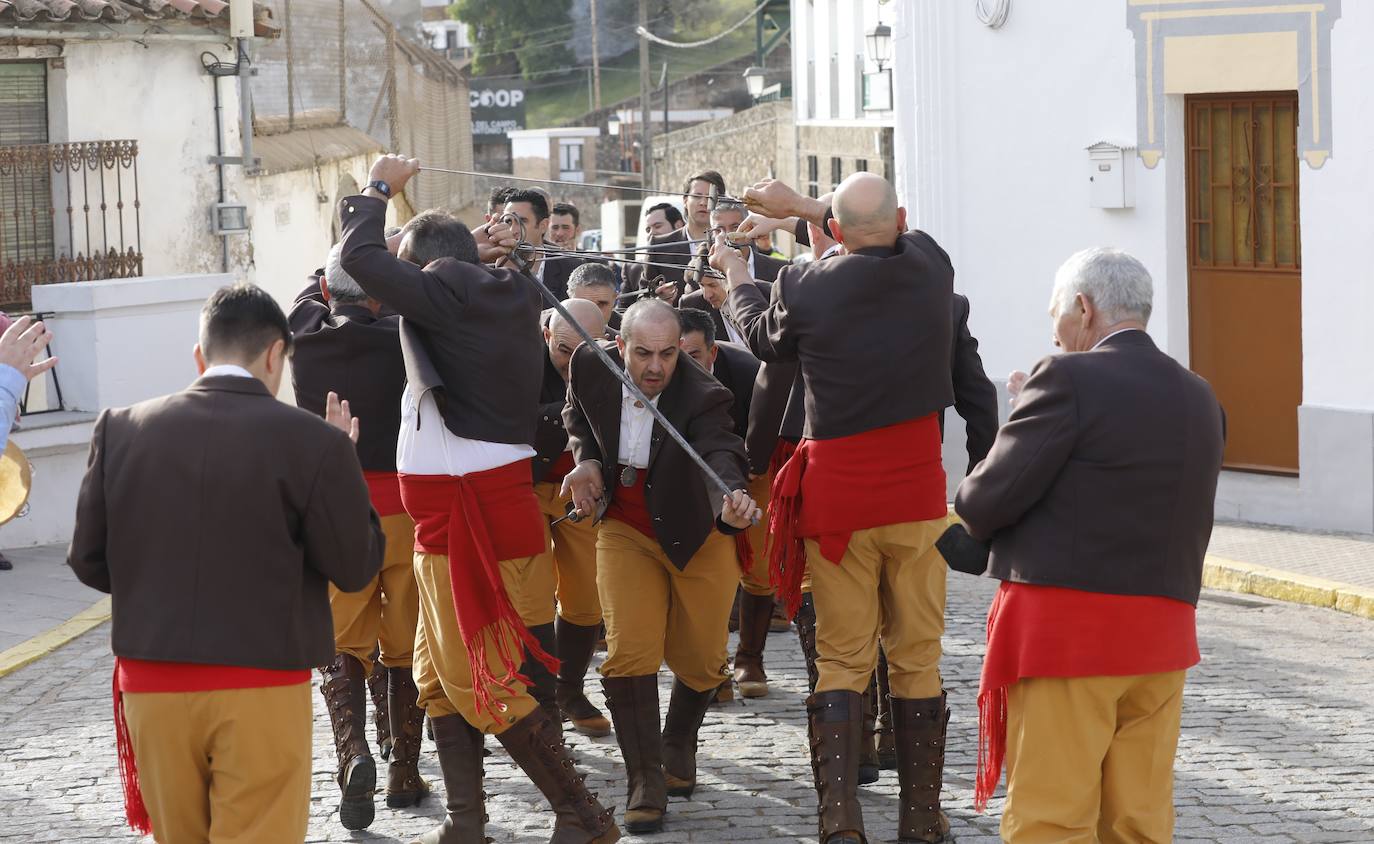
(381,187)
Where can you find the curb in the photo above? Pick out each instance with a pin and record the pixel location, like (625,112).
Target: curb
(1250,579)
(45,643)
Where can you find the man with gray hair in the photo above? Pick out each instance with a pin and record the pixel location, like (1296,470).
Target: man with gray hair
(343,344)
(595,282)
(1097,498)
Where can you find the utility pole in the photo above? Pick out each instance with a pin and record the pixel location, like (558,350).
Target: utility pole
(646,156)
(596,64)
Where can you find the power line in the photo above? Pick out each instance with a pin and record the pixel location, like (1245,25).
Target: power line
(643,32)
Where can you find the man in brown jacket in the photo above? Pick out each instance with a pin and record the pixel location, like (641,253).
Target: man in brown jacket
(470,338)
(864,494)
(666,567)
(1097,497)
(344,343)
(216,517)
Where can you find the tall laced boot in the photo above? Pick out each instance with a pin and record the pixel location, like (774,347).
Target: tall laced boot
(344,687)
(686,711)
(376,687)
(920,727)
(755,616)
(404,785)
(459,747)
(835,720)
(869,770)
(543,684)
(535,743)
(806,635)
(887,741)
(575,645)
(633,702)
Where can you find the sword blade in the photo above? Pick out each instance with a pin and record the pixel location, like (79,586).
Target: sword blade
(509,178)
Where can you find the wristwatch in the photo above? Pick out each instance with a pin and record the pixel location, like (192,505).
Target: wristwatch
(381,187)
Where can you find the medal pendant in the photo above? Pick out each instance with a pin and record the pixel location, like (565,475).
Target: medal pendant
(628,476)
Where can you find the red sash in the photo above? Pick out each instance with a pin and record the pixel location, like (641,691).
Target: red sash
(1049,631)
(477,520)
(630,506)
(384,488)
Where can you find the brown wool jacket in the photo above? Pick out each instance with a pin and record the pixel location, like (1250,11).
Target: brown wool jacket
(468,332)
(1105,476)
(684,508)
(217,517)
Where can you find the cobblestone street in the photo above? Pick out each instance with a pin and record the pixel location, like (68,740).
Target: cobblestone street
(1277,740)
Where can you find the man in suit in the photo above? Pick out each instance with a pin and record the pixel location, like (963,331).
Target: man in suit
(552,270)
(565,225)
(699,195)
(1097,498)
(342,345)
(470,338)
(866,484)
(595,282)
(216,518)
(666,567)
(736,368)
(566,573)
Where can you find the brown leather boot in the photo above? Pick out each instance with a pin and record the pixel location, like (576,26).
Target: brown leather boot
(542,681)
(734,610)
(459,747)
(887,741)
(535,743)
(755,615)
(633,702)
(920,727)
(868,742)
(575,646)
(404,785)
(806,635)
(780,622)
(686,711)
(344,688)
(376,687)
(835,720)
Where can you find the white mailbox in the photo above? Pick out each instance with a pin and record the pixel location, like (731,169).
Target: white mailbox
(1111,176)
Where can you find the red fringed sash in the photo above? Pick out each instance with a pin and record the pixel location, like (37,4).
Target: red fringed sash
(1048,631)
(744,551)
(478,520)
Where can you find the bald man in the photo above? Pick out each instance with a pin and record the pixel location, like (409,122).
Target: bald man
(864,493)
(566,571)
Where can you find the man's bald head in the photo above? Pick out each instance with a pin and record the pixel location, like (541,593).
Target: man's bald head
(562,338)
(866,212)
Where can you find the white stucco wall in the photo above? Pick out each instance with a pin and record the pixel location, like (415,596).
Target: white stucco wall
(826,29)
(160,97)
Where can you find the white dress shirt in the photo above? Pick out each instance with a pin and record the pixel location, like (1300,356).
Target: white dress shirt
(227,369)
(427,447)
(636,429)
(731,332)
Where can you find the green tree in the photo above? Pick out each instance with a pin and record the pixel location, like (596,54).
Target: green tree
(525,36)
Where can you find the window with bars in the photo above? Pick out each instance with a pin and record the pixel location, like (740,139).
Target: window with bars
(813,176)
(570,159)
(836,172)
(861,165)
(26,228)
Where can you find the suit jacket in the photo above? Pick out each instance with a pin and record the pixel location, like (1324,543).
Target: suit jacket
(684,508)
(697,299)
(736,369)
(557,272)
(1104,478)
(766,267)
(216,518)
(469,333)
(975,397)
(550,438)
(671,249)
(351,351)
(873,332)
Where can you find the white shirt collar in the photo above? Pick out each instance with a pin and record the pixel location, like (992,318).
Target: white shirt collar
(1110,336)
(227,369)
(627,399)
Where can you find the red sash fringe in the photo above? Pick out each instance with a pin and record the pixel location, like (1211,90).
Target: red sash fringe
(477,520)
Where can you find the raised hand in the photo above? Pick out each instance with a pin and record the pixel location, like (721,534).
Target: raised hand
(23,341)
(336,413)
(395,170)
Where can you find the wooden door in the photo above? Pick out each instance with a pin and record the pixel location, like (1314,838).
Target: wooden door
(1245,270)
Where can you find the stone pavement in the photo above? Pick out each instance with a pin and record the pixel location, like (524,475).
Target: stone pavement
(1278,733)
(38,594)
(1332,556)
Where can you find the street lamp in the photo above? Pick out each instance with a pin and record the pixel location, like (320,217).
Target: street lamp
(879,41)
(613,125)
(753,80)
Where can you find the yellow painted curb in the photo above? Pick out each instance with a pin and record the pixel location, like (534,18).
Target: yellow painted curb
(45,643)
(1250,579)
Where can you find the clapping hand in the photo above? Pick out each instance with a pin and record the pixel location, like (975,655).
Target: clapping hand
(336,413)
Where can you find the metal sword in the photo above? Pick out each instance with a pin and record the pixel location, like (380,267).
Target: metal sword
(713,196)
(522,264)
